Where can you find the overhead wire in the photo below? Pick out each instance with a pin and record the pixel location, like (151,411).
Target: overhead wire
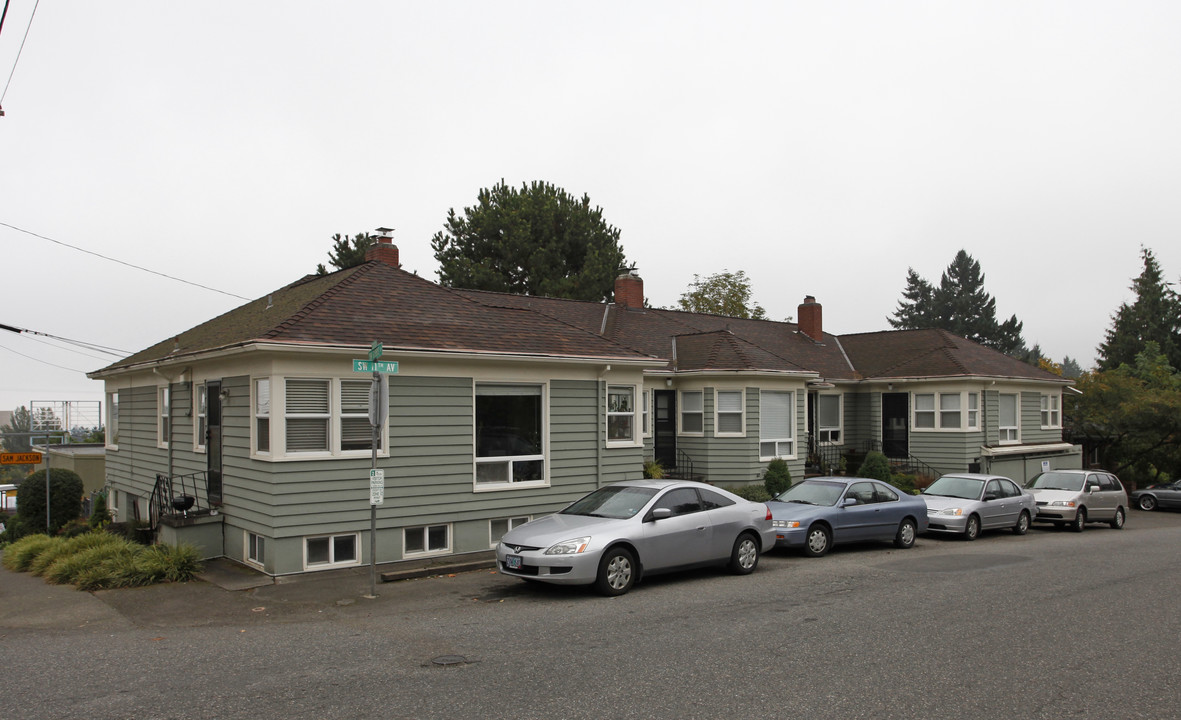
(19,51)
(43,362)
(80,343)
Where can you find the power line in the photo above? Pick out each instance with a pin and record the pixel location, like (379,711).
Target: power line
(121,262)
(18,52)
(43,362)
(80,343)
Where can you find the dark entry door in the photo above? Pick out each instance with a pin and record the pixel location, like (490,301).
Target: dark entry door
(213,440)
(895,412)
(664,428)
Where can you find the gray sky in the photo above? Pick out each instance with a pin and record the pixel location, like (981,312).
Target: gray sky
(823,148)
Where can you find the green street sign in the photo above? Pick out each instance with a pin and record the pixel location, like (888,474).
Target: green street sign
(375,366)
(375,351)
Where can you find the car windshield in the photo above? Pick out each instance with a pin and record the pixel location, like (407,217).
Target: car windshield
(612,502)
(956,487)
(813,493)
(1057,481)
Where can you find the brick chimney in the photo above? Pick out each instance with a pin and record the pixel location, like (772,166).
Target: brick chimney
(810,321)
(629,290)
(384,249)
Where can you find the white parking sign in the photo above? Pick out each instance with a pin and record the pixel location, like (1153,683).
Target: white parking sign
(376,487)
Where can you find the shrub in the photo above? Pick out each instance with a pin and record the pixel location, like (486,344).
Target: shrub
(65,489)
(777,478)
(99,514)
(875,466)
(68,569)
(653,470)
(46,554)
(905,483)
(19,554)
(754,493)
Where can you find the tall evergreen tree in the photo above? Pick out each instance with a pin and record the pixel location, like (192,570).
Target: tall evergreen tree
(535,240)
(346,252)
(1154,316)
(959,305)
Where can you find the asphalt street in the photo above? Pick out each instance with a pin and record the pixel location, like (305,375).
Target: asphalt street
(1052,624)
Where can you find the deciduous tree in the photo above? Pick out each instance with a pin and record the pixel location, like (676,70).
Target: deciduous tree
(723,293)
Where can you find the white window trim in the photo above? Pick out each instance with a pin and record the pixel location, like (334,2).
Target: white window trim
(278,423)
(513,522)
(681,413)
(255,415)
(792,423)
(1016,428)
(972,414)
(839,427)
(111,439)
(545,446)
(246,549)
(199,389)
(426,534)
(332,563)
(741,412)
(646,414)
(1054,412)
(937,411)
(635,440)
(163,412)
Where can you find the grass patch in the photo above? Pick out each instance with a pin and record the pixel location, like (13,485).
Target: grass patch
(98,560)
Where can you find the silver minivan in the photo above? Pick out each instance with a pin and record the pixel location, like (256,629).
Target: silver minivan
(1076,497)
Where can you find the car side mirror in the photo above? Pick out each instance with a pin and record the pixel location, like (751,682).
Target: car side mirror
(1092,488)
(990,496)
(849,501)
(661,514)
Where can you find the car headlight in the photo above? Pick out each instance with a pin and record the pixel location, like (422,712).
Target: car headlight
(952,511)
(1063,503)
(572,546)
(785,523)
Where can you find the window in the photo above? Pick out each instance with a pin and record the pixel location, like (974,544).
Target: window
(307,415)
(712,500)
(355,431)
(828,418)
(112,433)
(729,413)
(1051,417)
(262,415)
(924,412)
(330,550)
(201,401)
(1007,419)
(621,413)
(692,413)
(255,549)
(164,427)
(681,501)
(863,492)
(973,411)
(509,434)
(647,398)
(882,494)
(498,527)
(776,424)
(426,539)
(949,410)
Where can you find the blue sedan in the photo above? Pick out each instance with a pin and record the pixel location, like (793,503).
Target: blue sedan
(821,512)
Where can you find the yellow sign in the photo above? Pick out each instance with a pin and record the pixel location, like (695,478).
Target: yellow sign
(29,458)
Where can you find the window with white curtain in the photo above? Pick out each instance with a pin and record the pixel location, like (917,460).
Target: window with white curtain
(776,424)
(828,418)
(1008,419)
(692,412)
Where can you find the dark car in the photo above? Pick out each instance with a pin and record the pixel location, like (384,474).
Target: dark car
(1161,495)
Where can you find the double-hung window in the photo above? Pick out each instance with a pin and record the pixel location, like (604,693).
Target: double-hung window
(828,418)
(201,401)
(164,427)
(945,411)
(973,411)
(1051,415)
(510,434)
(776,424)
(692,412)
(949,410)
(262,415)
(646,396)
(621,414)
(355,431)
(729,413)
(112,432)
(307,415)
(1008,425)
(924,411)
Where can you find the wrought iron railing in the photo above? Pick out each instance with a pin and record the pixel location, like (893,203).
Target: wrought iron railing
(908,464)
(178,496)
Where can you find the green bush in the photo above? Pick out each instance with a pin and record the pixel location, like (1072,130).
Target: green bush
(46,554)
(100,560)
(875,466)
(99,514)
(19,554)
(65,489)
(904,482)
(653,470)
(68,569)
(754,493)
(777,478)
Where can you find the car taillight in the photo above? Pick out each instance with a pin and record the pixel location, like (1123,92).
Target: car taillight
(768,512)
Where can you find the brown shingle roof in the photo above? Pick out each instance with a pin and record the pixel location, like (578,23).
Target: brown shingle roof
(932,353)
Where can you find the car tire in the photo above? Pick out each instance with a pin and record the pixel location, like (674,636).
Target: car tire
(1080,520)
(972,528)
(617,572)
(744,558)
(1147,502)
(905,536)
(1022,525)
(818,541)
(1117,522)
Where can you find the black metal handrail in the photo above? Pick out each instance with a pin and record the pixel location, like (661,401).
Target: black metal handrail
(907,463)
(179,495)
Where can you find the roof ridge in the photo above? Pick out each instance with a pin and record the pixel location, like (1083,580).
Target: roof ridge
(319,300)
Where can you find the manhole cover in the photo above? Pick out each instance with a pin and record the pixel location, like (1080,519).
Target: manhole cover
(450,660)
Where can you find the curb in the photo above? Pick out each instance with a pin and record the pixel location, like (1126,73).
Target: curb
(423,572)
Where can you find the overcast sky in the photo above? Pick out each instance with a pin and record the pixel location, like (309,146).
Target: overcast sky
(822,147)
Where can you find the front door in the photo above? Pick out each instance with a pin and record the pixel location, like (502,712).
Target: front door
(213,441)
(895,412)
(664,428)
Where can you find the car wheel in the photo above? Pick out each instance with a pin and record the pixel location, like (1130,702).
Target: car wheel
(1080,520)
(617,572)
(1147,502)
(744,558)
(818,541)
(972,528)
(904,538)
(1022,525)
(1117,522)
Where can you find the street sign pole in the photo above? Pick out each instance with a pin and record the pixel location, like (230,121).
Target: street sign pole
(373,421)
(379,404)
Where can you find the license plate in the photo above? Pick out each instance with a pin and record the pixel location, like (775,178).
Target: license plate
(512,562)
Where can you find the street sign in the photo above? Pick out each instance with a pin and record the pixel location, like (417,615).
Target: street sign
(375,351)
(376,487)
(375,366)
(26,458)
